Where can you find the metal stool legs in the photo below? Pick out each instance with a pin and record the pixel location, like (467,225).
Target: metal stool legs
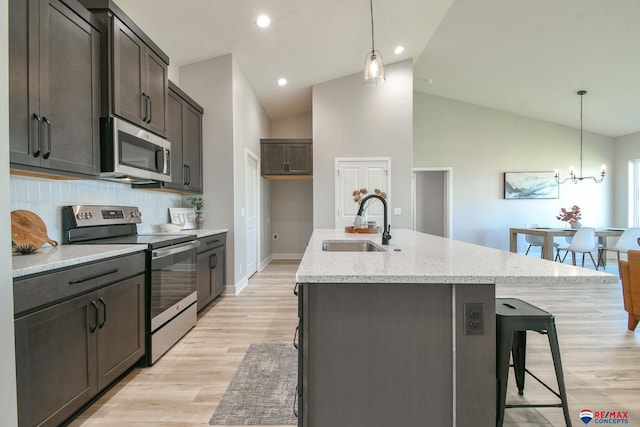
(511,329)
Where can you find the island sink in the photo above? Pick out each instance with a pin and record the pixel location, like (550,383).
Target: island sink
(350,246)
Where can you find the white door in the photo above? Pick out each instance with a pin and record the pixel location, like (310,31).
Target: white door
(353,174)
(251,183)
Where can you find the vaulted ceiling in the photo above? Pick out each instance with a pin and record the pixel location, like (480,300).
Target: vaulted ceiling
(520,56)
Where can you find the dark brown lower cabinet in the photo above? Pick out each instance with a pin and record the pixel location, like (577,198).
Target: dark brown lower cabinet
(68,352)
(211,269)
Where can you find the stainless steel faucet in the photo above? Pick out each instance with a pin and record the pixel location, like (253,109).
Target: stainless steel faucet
(386,236)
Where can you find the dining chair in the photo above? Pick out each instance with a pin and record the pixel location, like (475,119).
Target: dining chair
(584,242)
(628,240)
(532,240)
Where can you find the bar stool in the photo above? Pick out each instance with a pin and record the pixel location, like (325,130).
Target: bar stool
(514,318)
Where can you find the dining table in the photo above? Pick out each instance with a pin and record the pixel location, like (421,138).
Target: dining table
(549,233)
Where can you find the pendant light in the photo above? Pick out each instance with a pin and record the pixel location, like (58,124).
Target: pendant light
(572,175)
(373,67)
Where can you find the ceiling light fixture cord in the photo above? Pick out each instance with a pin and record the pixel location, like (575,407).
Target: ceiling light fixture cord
(373,48)
(572,176)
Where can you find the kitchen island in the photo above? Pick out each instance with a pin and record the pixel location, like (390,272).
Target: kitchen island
(406,336)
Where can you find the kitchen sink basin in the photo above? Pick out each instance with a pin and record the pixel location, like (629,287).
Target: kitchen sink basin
(350,246)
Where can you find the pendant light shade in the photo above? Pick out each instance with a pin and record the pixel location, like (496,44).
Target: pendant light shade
(373,66)
(373,69)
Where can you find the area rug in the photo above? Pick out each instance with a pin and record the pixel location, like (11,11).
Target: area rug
(262,390)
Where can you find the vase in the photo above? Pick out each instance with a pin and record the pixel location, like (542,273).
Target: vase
(576,225)
(199,219)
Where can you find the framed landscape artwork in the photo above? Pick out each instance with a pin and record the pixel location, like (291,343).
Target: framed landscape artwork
(531,185)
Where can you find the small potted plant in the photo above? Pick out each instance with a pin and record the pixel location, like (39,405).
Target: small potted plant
(573,215)
(197,203)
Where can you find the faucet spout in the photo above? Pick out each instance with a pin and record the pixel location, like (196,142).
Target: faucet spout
(386,236)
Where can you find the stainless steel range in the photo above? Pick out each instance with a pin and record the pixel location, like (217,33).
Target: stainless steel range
(171,283)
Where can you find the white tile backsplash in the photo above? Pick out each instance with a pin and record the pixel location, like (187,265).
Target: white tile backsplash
(46,197)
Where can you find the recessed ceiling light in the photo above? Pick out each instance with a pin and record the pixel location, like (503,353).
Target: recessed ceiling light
(263,21)
(398,50)
(282,81)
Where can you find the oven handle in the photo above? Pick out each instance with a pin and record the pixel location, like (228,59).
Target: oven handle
(162,253)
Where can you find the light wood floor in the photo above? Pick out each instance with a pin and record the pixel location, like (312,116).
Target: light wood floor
(601,359)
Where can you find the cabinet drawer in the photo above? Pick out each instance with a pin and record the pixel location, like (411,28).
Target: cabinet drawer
(212,242)
(50,288)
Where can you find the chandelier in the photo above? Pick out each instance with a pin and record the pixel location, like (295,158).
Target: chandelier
(572,175)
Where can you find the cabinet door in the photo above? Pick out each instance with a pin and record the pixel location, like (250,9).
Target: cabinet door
(205,285)
(299,159)
(129,98)
(70,92)
(273,158)
(24,83)
(192,149)
(54,86)
(55,361)
(156,88)
(120,328)
(174,134)
(218,271)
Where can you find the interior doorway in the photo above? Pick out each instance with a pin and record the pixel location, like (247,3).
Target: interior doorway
(432,201)
(251,191)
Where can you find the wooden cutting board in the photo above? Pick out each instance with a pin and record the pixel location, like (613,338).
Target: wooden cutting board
(28,228)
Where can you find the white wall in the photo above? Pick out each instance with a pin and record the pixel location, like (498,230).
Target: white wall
(233,121)
(291,201)
(627,149)
(8,402)
(351,120)
(250,124)
(480,144)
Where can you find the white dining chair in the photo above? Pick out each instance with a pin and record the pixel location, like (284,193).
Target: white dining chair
(628,241)
(584,242)
(532,240)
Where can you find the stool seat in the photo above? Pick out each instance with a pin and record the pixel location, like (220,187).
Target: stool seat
(514,318)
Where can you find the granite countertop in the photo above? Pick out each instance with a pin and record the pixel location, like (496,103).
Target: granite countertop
(52,258)
(413,257)
(205,232)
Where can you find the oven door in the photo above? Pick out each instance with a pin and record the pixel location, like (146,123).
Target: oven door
(173,284)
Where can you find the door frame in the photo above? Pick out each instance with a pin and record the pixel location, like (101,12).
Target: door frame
(250,155)
(448,203)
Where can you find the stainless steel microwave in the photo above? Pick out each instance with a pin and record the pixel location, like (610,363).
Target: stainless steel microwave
(130,153)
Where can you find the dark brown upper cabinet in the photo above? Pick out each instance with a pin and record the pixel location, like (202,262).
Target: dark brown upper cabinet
(54,87)
(184,130)
(286,158)
(137,83)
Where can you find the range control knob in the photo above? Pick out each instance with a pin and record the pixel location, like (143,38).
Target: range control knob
(79,215)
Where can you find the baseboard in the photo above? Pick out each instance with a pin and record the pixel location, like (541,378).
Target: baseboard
(237,287)
(264,263)
(287,256)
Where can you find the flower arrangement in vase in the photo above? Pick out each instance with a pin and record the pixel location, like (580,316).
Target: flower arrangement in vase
(358,196)
(573,215)
(197,203)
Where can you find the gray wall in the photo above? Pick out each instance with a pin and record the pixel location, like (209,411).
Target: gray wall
(8,403)
(234,121)
(351,120)
(291,201)
(480,144)
(430,202)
